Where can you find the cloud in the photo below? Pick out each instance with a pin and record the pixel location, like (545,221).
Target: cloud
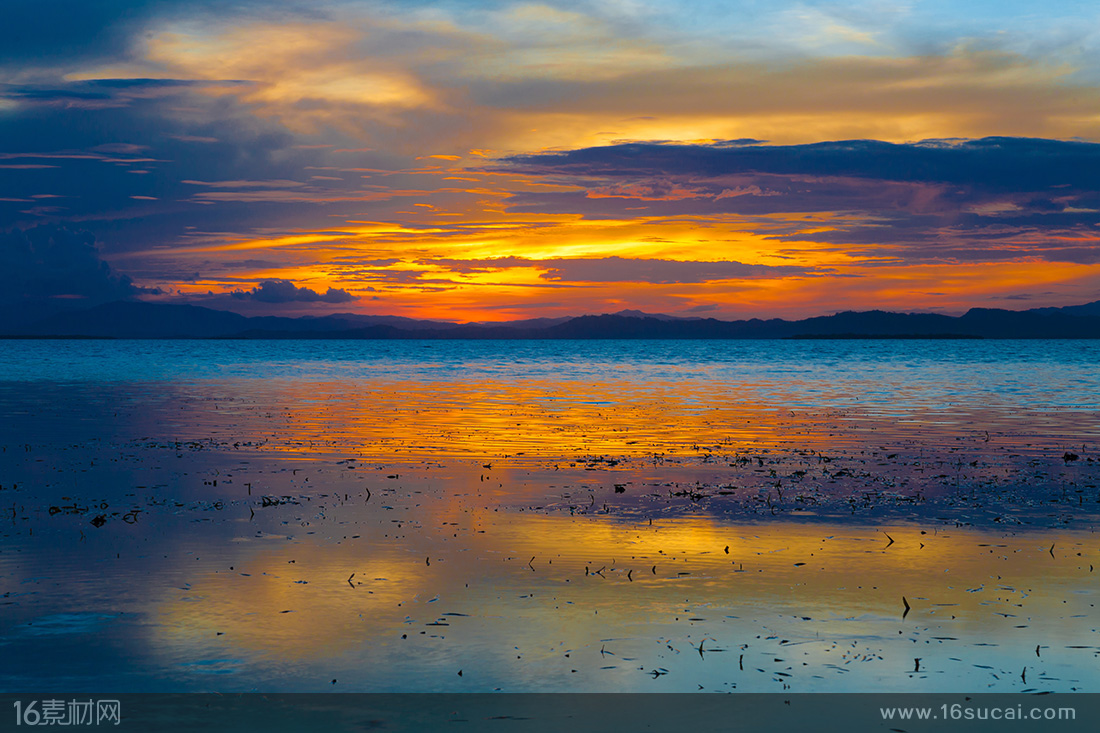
(275,154)
(557,74)
(994,163)
(618,269)
(936,200)
(51,262)
(91,94)
(284,291)
(104,30)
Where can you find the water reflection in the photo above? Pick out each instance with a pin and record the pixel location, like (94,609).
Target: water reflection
(404,589)
(384,419)
(600,521)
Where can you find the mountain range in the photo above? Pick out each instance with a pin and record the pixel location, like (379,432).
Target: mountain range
(136,319)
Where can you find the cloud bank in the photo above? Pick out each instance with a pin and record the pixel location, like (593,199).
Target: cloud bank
(284,291)
(931,201)
(56,263)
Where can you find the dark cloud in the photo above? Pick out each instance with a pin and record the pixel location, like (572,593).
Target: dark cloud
(936,200)
(284,291)
(251,263)
(90,156)
(48,268)
(1084,255)
(621,269)
(80,30)
(101,93)
(995,163)
(486,264)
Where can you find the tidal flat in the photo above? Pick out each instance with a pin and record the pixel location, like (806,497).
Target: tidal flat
(664,517)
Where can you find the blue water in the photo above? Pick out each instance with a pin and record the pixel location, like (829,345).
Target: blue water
(141,551)
(1054,373)
(526,396)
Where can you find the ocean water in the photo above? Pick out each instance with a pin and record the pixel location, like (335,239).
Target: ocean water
(526,396)
(549,516)
(1059,373)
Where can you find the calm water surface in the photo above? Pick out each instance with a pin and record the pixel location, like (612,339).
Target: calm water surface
(603,516)
(599,396)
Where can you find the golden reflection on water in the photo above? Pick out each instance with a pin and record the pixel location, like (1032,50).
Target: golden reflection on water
(555,419)
(552,600)
(521,580)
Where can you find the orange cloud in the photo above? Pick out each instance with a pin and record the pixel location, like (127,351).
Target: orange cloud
(441,94)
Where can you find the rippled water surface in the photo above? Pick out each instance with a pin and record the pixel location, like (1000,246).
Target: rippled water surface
(545,396)
(598,515)
(1059,372)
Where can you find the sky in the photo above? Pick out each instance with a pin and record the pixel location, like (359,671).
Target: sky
(483,161)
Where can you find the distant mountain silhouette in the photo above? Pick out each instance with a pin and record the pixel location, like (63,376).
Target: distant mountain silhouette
(133,319)
(1088,309)
(658,316)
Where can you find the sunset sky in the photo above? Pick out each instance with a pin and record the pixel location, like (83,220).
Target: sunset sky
(483,160)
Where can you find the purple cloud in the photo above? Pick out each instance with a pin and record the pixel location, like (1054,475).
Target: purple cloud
(284,291)
(932,201)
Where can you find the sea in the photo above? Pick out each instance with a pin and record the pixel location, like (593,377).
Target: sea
(549,516)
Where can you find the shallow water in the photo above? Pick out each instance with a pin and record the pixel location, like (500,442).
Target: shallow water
(550,397)
(547,516)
